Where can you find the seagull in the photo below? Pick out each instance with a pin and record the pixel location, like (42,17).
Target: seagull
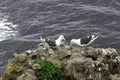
(84,42)
(52,42)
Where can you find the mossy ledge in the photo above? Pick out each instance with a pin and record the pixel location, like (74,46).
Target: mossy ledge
(46,63)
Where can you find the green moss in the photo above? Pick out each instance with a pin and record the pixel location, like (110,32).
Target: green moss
(48,71)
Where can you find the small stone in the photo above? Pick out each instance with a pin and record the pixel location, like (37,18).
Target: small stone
(30,75)
(20,77)
(42,57)
(30,71)
(36,66)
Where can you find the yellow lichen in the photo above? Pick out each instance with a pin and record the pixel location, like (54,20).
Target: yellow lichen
(13,68)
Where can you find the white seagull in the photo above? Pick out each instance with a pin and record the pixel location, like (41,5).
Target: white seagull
(52,42)
(83,42)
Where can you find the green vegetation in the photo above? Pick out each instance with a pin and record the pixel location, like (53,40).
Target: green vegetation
(48,71)
(38,52)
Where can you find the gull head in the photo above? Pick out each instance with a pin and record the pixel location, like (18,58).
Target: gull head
(61,37)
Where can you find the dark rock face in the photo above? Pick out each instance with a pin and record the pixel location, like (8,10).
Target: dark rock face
(76,64)
(93,64)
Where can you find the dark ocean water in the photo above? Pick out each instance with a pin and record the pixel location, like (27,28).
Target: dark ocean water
(23,21)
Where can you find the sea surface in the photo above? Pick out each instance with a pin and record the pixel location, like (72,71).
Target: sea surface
(22,22)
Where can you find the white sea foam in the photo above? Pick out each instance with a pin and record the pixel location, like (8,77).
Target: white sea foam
(7,29)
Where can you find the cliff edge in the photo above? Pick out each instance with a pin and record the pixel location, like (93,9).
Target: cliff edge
(59,63)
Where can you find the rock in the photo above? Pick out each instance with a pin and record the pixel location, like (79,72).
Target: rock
(13,68)
(29,63)
(20,57)
(115,77)
(30,71)
(55,62)
(30,77)
(76,63)
(29,74)
(1,78)
(90,53)
(93,64)
(63,52)
(36,66)
(21,77)
(42,57)
(109,53)
(33,55)
(12,71)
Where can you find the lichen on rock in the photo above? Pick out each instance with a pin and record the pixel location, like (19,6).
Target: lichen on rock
(13,68)
(20,57)
(12,71)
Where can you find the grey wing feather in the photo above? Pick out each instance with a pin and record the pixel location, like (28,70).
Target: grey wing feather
(51,42)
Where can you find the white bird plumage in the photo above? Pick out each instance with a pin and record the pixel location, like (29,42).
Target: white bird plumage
(51,42)
(83,42)
(42,39)
(59,40)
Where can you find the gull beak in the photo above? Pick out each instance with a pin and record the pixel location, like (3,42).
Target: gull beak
(64,39)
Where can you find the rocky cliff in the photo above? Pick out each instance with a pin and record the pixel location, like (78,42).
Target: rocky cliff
(56,63)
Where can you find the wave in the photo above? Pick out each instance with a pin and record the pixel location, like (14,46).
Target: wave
(7,29)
